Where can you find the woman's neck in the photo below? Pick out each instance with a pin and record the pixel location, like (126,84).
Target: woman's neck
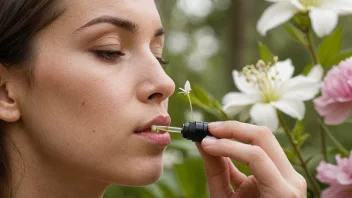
(33,177)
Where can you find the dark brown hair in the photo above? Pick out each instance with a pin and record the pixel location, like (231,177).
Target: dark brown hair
(20,20)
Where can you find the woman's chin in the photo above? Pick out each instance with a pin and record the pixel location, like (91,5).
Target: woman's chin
(143,178)
(138,174)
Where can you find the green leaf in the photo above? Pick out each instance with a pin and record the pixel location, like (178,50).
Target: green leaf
(296,34)
(309,159)
(169,184)
(342,56)
(307,69)
(265,54)
(302,139)
(191,177)
(206,102)
(152,191)
(298,129)
(330,47)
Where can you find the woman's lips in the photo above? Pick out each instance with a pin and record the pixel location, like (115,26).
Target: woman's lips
(146,133)
(162,138)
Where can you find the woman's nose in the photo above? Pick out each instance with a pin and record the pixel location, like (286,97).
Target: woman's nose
(156,86)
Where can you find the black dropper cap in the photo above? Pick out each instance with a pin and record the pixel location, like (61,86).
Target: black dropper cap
(195,131)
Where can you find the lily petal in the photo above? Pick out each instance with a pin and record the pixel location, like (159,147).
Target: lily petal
(242,84)
(324,21)
(234,102)
(283,70)
(316,73)
(298,4)
(265,115)
(341,6)
(240,99)
(275,15)
(291,107)
(301,87)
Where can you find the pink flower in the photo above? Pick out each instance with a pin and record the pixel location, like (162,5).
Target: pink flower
(338,176)
(335,104)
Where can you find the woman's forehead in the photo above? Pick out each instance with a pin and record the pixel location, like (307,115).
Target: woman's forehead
(144,10)
(131,14)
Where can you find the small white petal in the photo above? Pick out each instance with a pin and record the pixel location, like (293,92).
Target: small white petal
(182,89)
(265,115)
(324,21)
(283,70)
(341,6)
(301,87)
(188,86)
(275,15)
(291,107)
(242,84)
(316,73)
(234,102)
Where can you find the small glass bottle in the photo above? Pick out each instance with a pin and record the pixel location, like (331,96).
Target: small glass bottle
(194,131)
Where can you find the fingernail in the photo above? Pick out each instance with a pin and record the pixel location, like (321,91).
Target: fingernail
(214,124)
(209,141)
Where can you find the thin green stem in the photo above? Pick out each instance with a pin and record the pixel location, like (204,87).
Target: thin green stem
(190,104)
(303,164)
(310,47)
(323,144)
(341,148)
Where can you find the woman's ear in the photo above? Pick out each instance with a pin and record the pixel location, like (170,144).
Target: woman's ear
(9,108)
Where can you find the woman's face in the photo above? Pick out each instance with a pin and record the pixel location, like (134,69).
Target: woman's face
(98,81)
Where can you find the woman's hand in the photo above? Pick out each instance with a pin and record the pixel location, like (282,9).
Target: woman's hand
(273,175)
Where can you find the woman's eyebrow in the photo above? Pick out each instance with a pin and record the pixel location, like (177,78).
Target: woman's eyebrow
(121,23)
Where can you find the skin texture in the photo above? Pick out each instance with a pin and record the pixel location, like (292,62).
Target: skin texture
(273,175)
(74,129)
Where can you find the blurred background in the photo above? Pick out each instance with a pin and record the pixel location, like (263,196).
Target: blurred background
(205,41)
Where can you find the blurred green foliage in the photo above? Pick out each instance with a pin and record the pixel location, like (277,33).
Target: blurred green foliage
(204,44)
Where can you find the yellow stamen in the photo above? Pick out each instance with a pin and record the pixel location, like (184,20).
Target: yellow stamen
(310,3)
(258,75)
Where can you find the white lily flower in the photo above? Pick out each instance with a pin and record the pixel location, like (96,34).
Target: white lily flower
(187,88)
(323,14)
(265,89)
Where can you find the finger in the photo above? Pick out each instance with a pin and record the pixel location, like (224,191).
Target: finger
(217,174)
(261,166)
(256,135)
(236,176)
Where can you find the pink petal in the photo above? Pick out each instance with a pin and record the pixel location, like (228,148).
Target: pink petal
(337,191)
(327,173)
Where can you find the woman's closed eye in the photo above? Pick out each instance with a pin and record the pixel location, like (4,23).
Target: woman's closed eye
(108,55)
(162,61)
(113,56)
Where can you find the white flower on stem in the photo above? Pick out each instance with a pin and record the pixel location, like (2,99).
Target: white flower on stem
(323,14)
(187,89)
(266,89)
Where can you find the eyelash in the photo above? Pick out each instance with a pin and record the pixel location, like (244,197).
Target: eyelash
(106,55)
